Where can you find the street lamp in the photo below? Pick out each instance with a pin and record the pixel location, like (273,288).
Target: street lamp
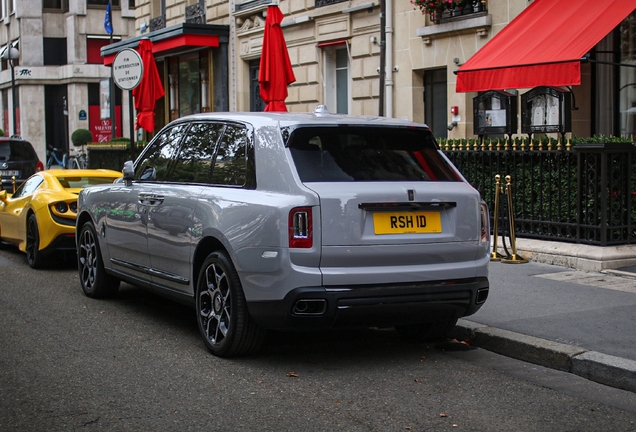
(12,54)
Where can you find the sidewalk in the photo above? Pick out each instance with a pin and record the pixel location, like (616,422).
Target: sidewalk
(570,320)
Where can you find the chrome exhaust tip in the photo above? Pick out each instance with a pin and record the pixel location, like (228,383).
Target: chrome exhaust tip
(310,307)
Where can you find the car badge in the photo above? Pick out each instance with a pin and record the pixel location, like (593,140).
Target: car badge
(411,193)
(4,165)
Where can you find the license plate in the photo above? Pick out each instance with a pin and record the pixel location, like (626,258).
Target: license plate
(407,223)
(10,173)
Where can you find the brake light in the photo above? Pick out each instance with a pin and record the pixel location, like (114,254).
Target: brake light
(485,224)
(300,228)
(39,167)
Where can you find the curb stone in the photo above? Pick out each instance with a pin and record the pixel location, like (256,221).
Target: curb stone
(606,369)
(602,368)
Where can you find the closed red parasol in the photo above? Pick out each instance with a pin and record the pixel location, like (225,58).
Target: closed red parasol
(275,72)
(149,89)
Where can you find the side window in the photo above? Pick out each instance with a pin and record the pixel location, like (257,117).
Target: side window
(158,162)
(28,187)
(230,164)
(196,157)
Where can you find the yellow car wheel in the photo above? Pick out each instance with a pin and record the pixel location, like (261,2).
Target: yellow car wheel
(35,258)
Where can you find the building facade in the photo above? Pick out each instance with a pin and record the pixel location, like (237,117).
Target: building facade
(355,59)
(58,69)
(362,57)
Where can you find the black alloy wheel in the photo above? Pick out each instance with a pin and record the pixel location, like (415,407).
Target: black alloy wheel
(224,321)
(96,283)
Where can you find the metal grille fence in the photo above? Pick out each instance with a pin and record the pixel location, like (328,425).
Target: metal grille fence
(577,194)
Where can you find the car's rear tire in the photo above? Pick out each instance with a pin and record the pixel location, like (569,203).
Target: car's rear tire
(426,331)
(35,257)
(224,321)
(95,282)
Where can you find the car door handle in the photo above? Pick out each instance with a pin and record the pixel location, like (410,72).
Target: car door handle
(150,199)
(155,200)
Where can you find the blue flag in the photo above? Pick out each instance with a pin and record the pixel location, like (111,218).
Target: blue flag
(108,24)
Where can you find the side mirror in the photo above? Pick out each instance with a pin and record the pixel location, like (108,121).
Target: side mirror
(148,174)
(128,172)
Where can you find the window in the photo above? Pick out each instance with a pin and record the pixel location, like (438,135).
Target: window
(11,6)
(342,154)
(230,166)
(189,84)
(59,5)
(55,52)
(337,94)
(158,162)
(627,88)
(93,49)
(197,153)
(114,3)
(28,187)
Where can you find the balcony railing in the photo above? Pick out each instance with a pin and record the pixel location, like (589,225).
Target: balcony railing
(466,9)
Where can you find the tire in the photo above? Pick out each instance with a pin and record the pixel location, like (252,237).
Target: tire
(35,257)
(426,331)
(95,282)
(224,321)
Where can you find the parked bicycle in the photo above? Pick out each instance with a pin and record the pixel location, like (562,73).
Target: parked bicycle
(79,160)
(54,160)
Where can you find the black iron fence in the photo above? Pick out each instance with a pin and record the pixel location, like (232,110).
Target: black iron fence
(112,155)
(584,193)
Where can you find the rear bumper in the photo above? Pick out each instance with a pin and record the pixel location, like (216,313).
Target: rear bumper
(372,305)
(63,242)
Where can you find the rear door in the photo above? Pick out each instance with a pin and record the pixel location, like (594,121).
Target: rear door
(171,227)
(391,204)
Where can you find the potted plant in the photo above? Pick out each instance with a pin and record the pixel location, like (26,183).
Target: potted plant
(81,137)
(436,7)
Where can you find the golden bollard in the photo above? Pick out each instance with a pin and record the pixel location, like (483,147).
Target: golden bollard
(496,256)
(514,258)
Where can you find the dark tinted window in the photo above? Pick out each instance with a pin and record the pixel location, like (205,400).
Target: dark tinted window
(5,150)
(230,166)
(368,154)
(196,157)
(16,151)
(160,155)
(55,52)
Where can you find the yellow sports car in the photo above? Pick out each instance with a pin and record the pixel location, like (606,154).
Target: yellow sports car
(40,216)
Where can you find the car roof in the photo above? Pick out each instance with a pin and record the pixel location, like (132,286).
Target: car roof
(319,117)
(13,138)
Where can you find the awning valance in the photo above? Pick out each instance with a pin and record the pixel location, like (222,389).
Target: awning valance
(543,45)
(175,39)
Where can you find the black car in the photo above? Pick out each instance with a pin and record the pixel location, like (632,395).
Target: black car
(19,159)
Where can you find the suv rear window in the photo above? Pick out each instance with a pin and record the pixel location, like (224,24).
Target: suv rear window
(340,154)
(16,151)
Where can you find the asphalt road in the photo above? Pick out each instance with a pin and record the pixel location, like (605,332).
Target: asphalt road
(136,362)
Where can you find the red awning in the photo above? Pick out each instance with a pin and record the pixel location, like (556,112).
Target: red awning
(543,45)
(182,41)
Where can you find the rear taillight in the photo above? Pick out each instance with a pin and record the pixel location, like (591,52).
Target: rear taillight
(485,228)
(39,167)
(300,228)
